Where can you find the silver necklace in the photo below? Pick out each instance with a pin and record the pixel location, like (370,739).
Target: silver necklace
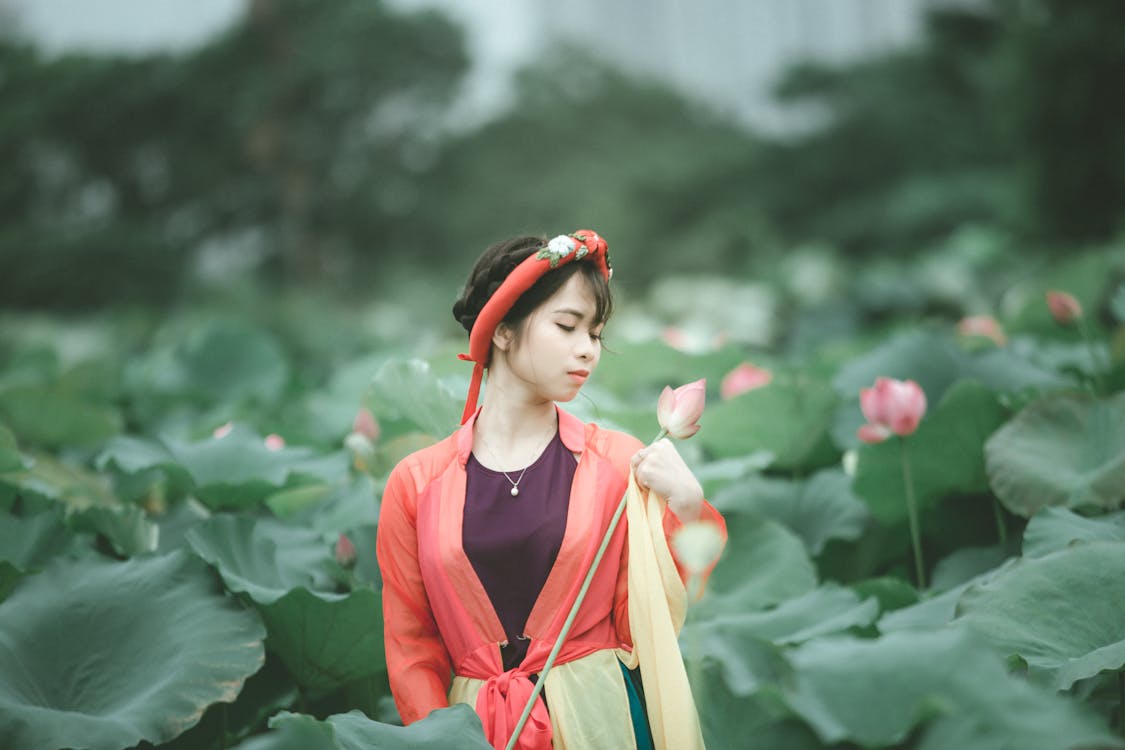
(515,491)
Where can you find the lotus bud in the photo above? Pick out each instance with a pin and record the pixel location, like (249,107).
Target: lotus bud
(365,424)
(1065,309)
(745,377)
(274,442)
(678,411)
(891,407)
(345,552)
(362,450)
(982,325)
(222,431)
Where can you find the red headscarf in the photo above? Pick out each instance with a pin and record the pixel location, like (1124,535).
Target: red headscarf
(561,250)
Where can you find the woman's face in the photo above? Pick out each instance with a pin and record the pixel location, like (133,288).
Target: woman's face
(560,344)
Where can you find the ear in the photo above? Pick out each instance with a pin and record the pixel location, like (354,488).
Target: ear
(502,337)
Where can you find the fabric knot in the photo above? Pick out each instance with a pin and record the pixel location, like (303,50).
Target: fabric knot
(500,704)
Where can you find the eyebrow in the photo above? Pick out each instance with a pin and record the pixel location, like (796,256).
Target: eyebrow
(571,311)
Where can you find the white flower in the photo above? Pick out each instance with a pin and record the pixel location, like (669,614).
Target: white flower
(562,246)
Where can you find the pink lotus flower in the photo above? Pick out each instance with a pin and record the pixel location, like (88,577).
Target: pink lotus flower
(274,442)
(982,325)
(745,377)
(678,411)
(366,425)
(222,431)
(891,407)
(345,551)
(1065,309)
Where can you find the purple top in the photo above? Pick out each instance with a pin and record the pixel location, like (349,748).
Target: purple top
(512,541)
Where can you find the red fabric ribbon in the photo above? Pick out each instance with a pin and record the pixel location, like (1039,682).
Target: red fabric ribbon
(500,704)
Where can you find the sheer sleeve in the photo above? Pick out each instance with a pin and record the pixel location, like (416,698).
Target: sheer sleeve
(418,663)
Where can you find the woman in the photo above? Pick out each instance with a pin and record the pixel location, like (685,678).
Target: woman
(485,538)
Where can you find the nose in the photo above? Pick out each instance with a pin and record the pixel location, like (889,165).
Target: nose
(585,348)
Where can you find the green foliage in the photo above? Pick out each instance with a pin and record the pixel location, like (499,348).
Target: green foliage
(81,641)
(1027,611)
(1060,451)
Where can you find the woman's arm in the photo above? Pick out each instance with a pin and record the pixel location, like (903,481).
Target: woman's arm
(418,663)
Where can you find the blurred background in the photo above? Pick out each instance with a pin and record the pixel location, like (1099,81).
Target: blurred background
(773,173)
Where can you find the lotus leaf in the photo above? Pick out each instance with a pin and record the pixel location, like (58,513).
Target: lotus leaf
(818,510)
(325,638)
(457,726)
(1063,614)
(104,655)
(875,692)
(1052,529)
(1060,450)
(788,419)
(763,564)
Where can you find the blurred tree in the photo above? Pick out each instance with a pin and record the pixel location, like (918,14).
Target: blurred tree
(585,144)
(291,141)
(1062,66)
(1009,113)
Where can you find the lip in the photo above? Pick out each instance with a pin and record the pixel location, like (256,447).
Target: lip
(579,376)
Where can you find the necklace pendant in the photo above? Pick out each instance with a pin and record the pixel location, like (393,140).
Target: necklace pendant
(515,490)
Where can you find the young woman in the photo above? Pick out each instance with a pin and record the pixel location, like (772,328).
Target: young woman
(485,538)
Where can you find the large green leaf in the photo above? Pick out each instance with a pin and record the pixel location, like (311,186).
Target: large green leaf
(234,471)
(263,558)
(222,360)
(935,611)
(10,459)
(875,692)
(1063,614)
(104,655)
(790,419)
(326,639)
(818,509)
(764,564)
(409,391)
(457,726)
(1052,529)
(945,454)
(30,543)
(1060,450)
(825,610)
(54,416)
(51,479)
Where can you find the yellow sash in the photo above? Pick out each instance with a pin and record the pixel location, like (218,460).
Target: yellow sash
(657,608)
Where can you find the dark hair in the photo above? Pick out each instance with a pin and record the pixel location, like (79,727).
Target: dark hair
(500,259)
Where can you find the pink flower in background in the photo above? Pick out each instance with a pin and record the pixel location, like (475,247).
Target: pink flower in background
(982,325)
(675,338)
(678,411)
(745,377)
(274,442)
(345,551)
(365,424)
(892,407)
(222,431)
(1065,309)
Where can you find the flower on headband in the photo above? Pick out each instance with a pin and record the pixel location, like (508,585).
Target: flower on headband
(559,248)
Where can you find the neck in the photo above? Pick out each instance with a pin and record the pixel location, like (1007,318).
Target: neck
(513,430)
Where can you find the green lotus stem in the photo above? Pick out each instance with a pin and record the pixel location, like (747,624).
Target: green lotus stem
(912,512)
(571,615)
(1001,528)
(1095,360)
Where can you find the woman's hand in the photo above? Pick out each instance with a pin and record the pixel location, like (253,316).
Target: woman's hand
(660,468)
